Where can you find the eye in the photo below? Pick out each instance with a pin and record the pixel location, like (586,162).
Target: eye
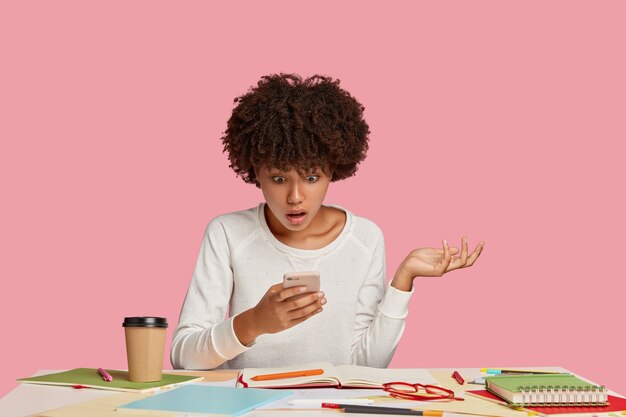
(278,179)
(312,178)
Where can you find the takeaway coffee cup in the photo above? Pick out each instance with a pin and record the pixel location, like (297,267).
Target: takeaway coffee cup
(145,341)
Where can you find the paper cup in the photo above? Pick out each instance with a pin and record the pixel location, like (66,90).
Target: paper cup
(145,342)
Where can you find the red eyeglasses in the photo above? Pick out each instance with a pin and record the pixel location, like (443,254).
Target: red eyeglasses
(419,392)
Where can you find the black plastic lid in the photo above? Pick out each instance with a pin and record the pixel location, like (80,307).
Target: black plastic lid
(144,322)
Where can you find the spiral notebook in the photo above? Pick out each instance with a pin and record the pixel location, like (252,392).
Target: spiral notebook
(546,390)
(616,404)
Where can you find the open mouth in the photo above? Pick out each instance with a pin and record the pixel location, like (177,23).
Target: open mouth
(296,217)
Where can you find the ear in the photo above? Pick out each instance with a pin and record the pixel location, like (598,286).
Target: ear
(257,170)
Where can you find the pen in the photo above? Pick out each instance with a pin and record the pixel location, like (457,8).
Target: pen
(105,375)
(457,376)
(283,375)
(514,371)
(366,409)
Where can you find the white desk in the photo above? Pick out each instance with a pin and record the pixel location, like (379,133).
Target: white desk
(30,399)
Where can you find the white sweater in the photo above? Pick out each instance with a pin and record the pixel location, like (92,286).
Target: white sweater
(240,259)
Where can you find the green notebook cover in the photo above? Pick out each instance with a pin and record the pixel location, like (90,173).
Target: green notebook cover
(553,389)
(89,377)
(207,400)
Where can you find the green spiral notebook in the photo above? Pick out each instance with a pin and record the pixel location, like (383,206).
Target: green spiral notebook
(546,390)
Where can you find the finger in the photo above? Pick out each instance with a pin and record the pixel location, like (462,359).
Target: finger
(275,288)
(295,322)
(273,292)
(459,261)
(464,250)
(445,261)
(472,258)
(290,292)
(455,263)
(299,296)
(298,302)
(306,310)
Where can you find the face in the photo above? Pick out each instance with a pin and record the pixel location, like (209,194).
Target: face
(293,199)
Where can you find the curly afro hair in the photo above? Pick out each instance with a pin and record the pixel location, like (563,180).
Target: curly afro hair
(286,122)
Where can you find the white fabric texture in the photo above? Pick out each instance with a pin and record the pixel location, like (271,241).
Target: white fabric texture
(240,259)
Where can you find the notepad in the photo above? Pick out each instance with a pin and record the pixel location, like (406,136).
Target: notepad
(615,404)
(334,376)
(90,378)
(207,400)
(546,390)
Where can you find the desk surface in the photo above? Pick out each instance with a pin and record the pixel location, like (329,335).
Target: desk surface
(31,399)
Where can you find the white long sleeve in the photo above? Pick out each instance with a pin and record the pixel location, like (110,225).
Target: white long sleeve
(240,259)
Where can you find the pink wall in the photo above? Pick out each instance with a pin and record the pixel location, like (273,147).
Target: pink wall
(502,121)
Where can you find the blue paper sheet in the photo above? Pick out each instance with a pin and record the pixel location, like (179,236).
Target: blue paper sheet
(207,399)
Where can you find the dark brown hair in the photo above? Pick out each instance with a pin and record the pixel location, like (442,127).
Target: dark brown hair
(286,122)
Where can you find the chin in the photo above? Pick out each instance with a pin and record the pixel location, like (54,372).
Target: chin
(295,228)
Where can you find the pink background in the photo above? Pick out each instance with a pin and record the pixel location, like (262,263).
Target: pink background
(502,121)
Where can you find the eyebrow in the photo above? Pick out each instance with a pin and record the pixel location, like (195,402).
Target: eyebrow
(278,171)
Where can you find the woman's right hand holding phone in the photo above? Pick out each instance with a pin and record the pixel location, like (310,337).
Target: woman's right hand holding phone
(279,309)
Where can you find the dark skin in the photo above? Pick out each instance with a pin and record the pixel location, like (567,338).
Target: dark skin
(280,309)
(432,262)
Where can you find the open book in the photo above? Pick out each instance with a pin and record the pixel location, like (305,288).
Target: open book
(328,375)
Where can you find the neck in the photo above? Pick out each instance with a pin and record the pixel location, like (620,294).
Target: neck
(281,232)
(323,229)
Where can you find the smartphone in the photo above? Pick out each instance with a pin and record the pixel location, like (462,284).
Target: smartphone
(311,279)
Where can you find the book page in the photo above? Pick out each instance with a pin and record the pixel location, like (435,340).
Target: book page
(328,378)
(353,375)
(314,397)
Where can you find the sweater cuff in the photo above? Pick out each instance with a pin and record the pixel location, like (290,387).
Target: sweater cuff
(395,303)
(225,341)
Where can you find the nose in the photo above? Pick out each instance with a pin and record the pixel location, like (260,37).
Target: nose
(295,195)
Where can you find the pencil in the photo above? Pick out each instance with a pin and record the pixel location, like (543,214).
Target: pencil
(367,409)
(283,375)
